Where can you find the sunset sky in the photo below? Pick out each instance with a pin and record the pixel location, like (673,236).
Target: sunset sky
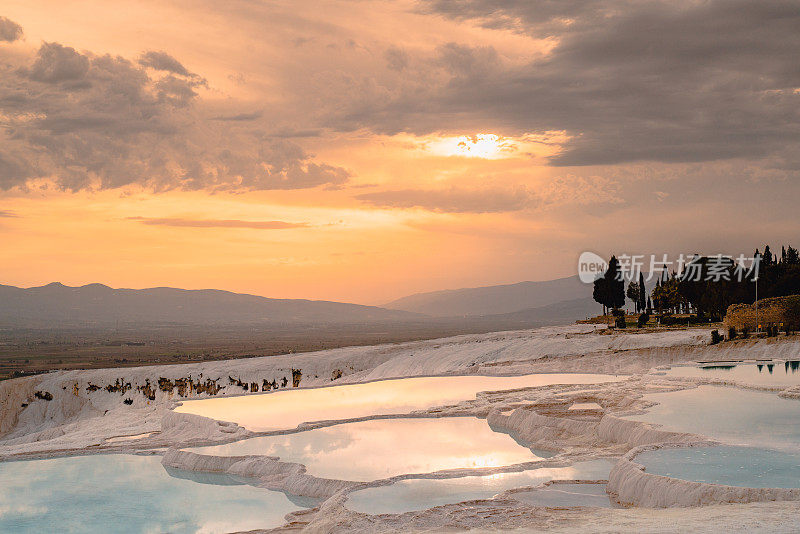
(364,150)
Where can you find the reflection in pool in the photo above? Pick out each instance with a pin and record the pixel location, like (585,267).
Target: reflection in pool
(129,494)
(567,495)
(732,415)
(778,373)
(731,466)
(371,450)
(420,494)
(284,410)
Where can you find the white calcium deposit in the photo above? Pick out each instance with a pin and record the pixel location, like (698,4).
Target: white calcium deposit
(131,410)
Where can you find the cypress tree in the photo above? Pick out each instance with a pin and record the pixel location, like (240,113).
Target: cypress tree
(609,289)
(616,284)
(600,292)
(642,293)
(633,294)
(792,256)
(767,258)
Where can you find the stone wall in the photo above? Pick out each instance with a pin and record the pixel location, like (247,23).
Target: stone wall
(771,312)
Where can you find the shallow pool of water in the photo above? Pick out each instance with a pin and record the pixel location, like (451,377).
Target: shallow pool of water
(732,466)
(284,410)
(734,416)
(779,373)
(420,494)
(372,450)
(129,494)
(567,495)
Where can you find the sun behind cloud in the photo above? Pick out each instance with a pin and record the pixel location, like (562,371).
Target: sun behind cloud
(491,146)
(482,145)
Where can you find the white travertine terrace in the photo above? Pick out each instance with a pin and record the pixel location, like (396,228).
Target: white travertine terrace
(632,486)
(288,409)
(83,415)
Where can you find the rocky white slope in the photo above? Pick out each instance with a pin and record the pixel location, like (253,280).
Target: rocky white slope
(131,410)
(90,406)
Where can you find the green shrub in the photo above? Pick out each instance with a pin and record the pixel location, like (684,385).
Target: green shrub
(715,337)
(732,332)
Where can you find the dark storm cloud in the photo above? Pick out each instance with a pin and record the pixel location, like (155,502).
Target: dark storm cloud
(454,200)
(90,121)
(669,81)
(289,133)
(543,18)
(10,31)
(56,63)
(218,223)
(162,61)
(239,117)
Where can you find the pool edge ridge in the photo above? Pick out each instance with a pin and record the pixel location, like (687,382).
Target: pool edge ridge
(270,472)
(631,485)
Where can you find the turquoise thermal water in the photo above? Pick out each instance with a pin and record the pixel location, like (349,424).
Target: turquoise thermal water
(567,495)
(732,466)
(779,373)
(420,494)
(761,432)
(731,415)
(130,494)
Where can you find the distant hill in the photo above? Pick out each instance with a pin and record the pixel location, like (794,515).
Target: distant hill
(558,313)
(496,300)
(96,304)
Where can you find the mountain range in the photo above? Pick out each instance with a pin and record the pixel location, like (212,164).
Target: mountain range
(494,300)
(523,304)
(97,304)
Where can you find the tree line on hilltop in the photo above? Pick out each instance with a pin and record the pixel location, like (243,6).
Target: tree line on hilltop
(705,288)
